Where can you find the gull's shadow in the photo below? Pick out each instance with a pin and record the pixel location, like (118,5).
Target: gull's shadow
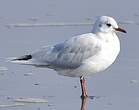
(84,102)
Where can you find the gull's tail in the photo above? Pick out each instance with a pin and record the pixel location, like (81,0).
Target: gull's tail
(21,60)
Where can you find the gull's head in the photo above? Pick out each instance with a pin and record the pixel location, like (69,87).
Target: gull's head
(106,24)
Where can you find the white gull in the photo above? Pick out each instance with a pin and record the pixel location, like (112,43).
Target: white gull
(80,55)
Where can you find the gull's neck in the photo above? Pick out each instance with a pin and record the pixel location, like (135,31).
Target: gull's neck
(104,36)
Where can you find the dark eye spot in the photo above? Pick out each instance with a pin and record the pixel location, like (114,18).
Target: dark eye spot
(108,24)
(99,25)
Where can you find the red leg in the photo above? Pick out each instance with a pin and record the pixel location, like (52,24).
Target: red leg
(83,87)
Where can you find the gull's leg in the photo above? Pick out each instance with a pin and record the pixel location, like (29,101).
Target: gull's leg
(83,87)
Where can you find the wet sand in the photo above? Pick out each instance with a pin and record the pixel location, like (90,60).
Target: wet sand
(116,88)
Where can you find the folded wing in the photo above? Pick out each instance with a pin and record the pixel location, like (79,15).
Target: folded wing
(70,54)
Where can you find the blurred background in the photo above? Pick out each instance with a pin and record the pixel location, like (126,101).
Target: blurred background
(27,25)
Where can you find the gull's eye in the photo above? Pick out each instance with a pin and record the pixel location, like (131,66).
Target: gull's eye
(108,24)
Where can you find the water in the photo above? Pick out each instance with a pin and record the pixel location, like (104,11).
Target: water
(116,88)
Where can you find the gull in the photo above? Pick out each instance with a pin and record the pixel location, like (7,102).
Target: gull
(81,55)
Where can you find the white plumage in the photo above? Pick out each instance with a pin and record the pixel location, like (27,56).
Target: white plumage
(80,55)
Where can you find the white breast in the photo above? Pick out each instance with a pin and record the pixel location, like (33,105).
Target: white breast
(108,54)
(99,62)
